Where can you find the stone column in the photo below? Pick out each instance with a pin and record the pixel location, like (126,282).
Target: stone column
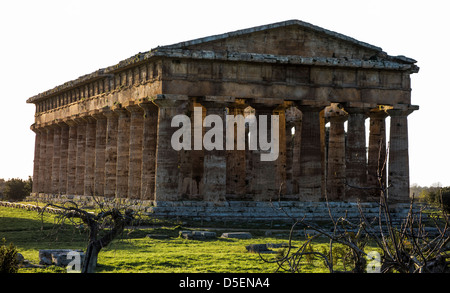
(251,126)
(280,162)
(64,158)
(197,154)
(398,172)
(81,156)
(56,158)
(71,156)
(336,156)
(91,127)
(123,152)
(215,161)
(376,163)
(166,184)
(136,139)
(36,161)
(49,160)
(150,127)
(110,152)
(42,160)
(100,148)
(269,175)
(311,171)
(185,163)
(355,153)
(235,169)
(293,120)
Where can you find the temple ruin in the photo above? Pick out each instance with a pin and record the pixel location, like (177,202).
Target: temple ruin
(108,133)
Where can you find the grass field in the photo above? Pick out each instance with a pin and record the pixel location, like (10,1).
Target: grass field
(136,253)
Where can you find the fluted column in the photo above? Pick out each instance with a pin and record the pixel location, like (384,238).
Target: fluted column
(49,160)
(398,177)
(71,156)
(166,184)
(376,163)
(81,156)
(281,161)
(123,152)
(42,160)
(136,140)
(56,158)
(150,127)
(36,161)
(293,120)
(236,157)
(91,127)
(197,153)
(185,163)
(100,149)
(215,162)
(63,158)
(110,152)
(311,171)
(356,160)
(336,158)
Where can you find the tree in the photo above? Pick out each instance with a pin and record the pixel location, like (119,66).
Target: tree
(103,227)
(406,248)
(17,189)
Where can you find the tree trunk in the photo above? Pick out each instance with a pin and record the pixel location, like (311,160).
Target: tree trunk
(90,260)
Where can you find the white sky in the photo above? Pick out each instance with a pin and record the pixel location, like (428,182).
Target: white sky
(46,43)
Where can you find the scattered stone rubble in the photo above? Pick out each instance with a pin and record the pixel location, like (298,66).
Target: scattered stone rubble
(58,257)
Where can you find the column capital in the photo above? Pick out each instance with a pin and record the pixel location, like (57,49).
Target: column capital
(165,101)
(35,128)
(267,104)
(335,110)
(134,108)
(380,112)
(46,126)
(148,107)
(69,121)
(89,119)
(56,124)
(239,104)
(338,118)
(311,105)
(402,110)
(358,107)
(108,112)
(120,110)
(97,115)
(78,119)
(209,102)
(62,124)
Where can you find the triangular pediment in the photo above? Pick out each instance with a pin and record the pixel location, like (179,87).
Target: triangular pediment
(291,37)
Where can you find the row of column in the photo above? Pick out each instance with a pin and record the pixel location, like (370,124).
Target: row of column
(355,170)
(126,152)
(110,152)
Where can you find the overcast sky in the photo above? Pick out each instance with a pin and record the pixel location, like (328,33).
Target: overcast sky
(46,43)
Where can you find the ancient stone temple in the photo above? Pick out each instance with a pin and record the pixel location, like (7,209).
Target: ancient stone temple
(109,133)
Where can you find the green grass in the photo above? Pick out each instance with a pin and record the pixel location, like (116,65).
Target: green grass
(136,253)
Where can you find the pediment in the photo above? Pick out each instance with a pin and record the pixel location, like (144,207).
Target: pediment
(292,37)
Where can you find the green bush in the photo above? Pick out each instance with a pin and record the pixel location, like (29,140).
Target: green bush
(8,258)
(445,198)
(17,189)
